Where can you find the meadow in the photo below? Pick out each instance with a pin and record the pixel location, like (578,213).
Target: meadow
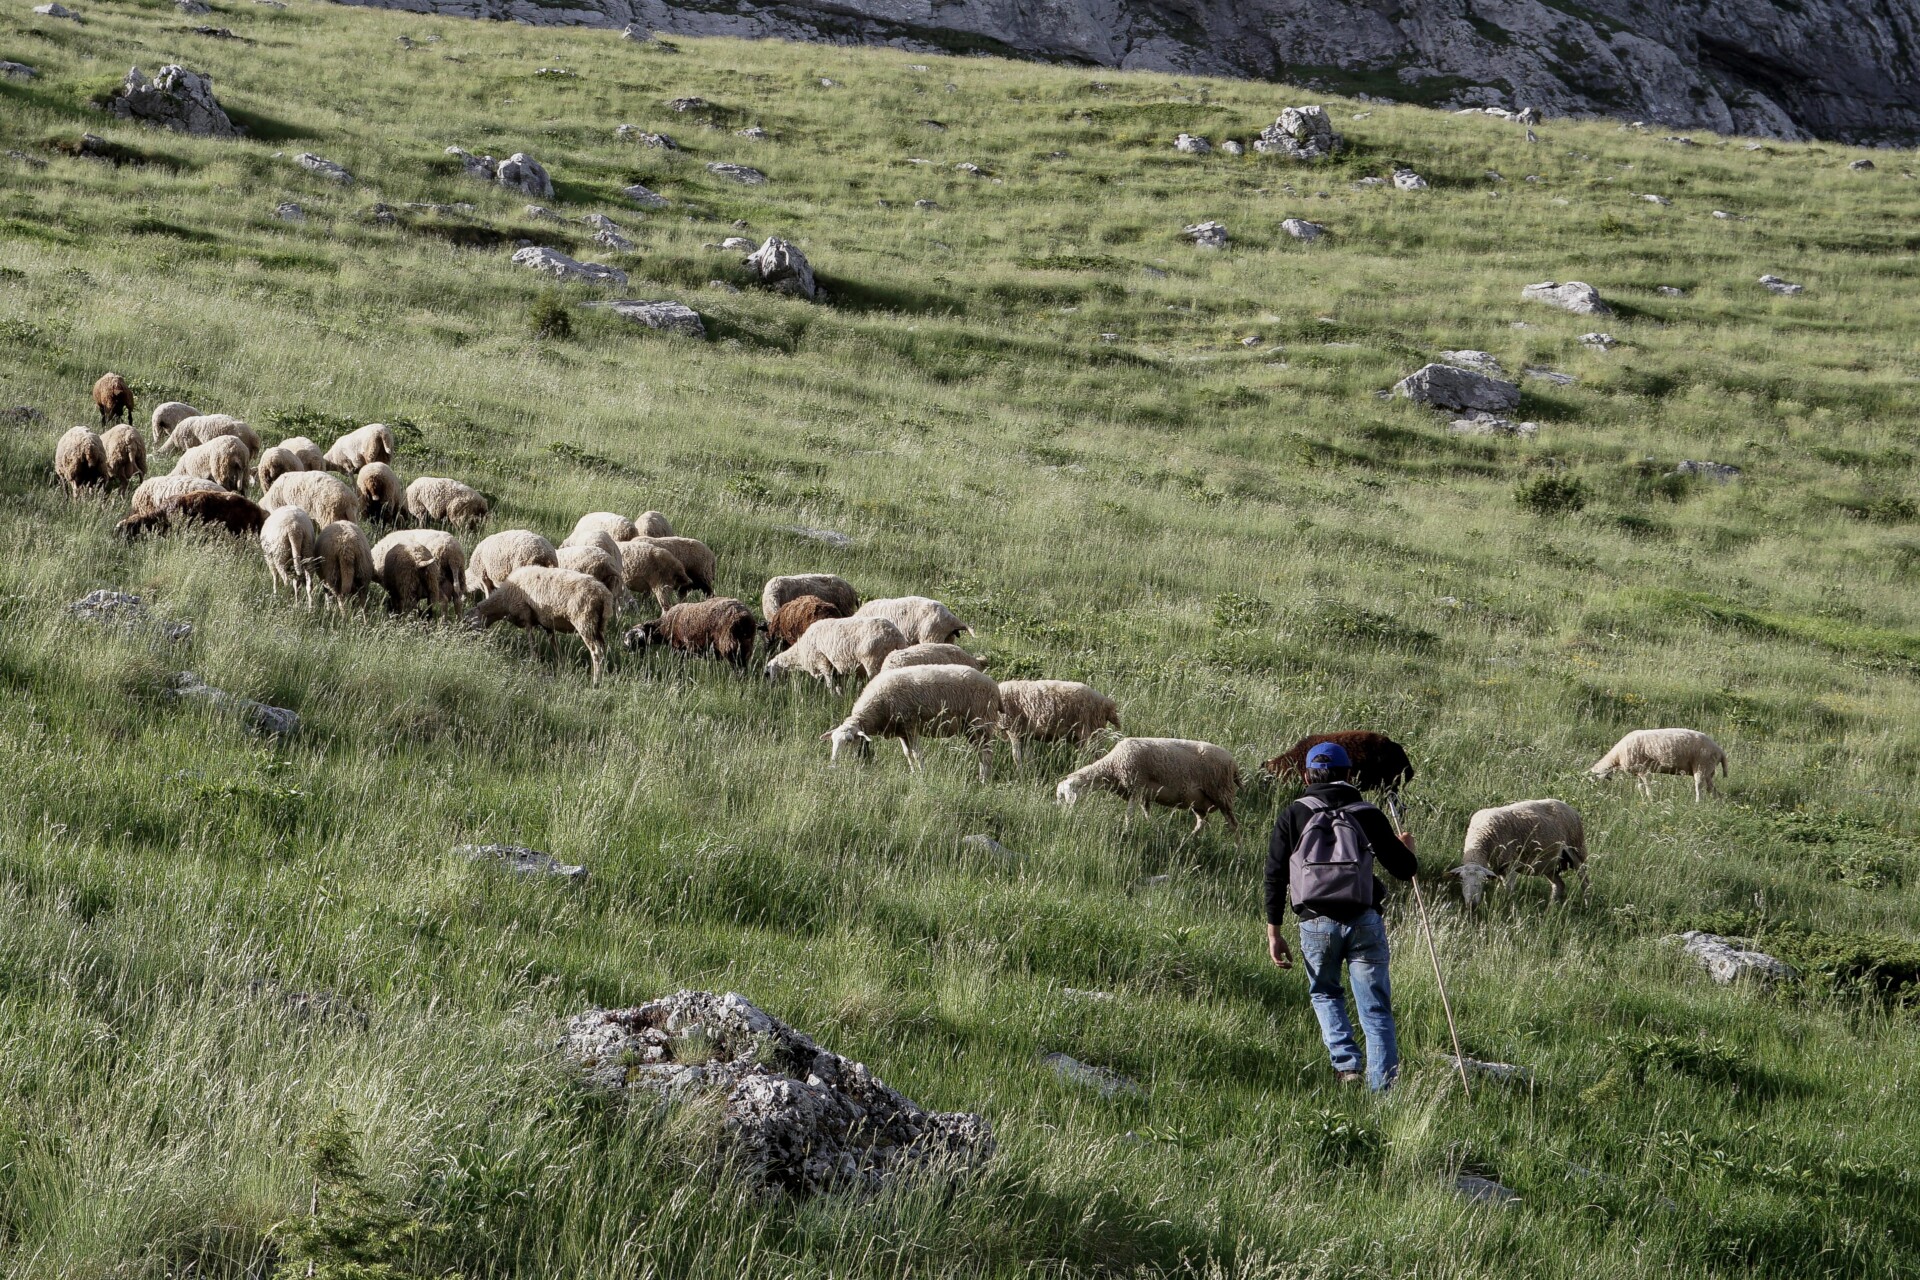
(256,1017)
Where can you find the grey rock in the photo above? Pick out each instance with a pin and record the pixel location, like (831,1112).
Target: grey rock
(658,141)
(1682,141)
(1602,341)
(609,238)
(1494,175)
(740,173)
(1252,340)
(324,167)
(1728,962)
(481,167)
(289,212)
(1484,1190)
(1478,361)
(783,268)
(16,71)
(1206,235)
(1777,285)
(1554,376)
(643,197)
(192,7)
(1860,166)
(1233,148)
(754,132)
(519,860)
(1300,133)
(987,845)
(684,105)
(794,1116)
(1650,198)
(277,722)
(668,317)
(1301,229)
(722,286)
(542,213)
(1408,180)
(1493,425)
(1505,1072)
(1156,882)
(926,204)
(216,33)
(1668,291)
(558,73)
(1445,387)
(176,99)
(1720,472)
(56,11)
(1108,1084)
(22,415)
(968,167)
(558,265)
(1724,216)
(1581,299)
(737,243)
(830,537)
(117,608)
(523,173)
(1187,144)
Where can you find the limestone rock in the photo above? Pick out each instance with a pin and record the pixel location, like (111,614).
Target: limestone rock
(740,173)
(1554,376)
(1445,387)
(192,7)
(1187,144)
(658,141)
(1301,133)
(324,167)
(987,845)
(783,268)
(1668,291)
(668,317)
(1233,147)
(610,238)
(558,265)
(643,197)
(1720,472)
(684,105)
(1301,229)
(1778,285)
(1488,424)
(519,860)
(542,213)
(117,608)
(754,132)
(176,99)
(1650,198)
(1408,180)
(1107,1083)
(1478,361)
(831,537)
(1505,1072)
(277,722)
(797,1117)
(16,71)
(1207,235)
(1603,341)
(523,173)
(1859,166)
(1484,1190)
(1581,299)
(56,11)
(289,212)
(1727,962)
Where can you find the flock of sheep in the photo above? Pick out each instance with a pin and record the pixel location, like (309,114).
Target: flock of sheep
(919,684)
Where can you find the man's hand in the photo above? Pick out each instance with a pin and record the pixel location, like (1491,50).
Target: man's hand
(1277,948)
(1406,838)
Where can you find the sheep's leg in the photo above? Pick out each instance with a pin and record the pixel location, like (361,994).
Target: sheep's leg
(1013,742)
(1586,883)
(986,759)
(1645,784)
(1559,890)
(1199,821)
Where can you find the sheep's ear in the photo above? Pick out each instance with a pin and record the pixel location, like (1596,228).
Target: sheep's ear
(1457,871)
(827,736)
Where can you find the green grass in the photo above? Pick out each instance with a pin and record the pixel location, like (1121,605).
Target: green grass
(1240,543)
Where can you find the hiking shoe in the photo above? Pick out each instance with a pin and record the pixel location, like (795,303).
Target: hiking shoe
(1350,1077)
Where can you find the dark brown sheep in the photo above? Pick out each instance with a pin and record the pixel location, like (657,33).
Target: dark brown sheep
(1379,763)
(790,621)
(114,398)
(231,511)
(721,626)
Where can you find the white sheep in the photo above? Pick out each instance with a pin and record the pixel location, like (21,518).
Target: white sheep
(80,460)
(1649,751)
(321,494)
(1539,837)
(346,561)
(596,563)
(309,453)
(929,655)
(223,460)
(291,546)
(356,450)
(653,525)
(446,501)
(1175,772)
(380,491)
(836,647)
(1053,711)
(169,415)
(615,526)
(416,565)
(921,620)
(836,591)
(499,554)
(552,600)
(156,491)
(274,463)
(201,428)
(651,568)
(914,702)
(695,556)
(126,451)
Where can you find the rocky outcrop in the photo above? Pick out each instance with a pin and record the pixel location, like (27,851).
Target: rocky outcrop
(1442,386)
(176,99)
(783,268)
(561,267)
(1840,69)
(668,317)
(1573,295)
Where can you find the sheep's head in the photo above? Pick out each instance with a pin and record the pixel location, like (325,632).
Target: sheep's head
(641,636)
(1473,882)
(850,740)
(1071,788)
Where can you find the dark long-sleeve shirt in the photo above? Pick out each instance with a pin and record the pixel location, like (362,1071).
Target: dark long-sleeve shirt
(1388,852)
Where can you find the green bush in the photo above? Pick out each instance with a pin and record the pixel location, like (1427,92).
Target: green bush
(1551,494)
(550,317)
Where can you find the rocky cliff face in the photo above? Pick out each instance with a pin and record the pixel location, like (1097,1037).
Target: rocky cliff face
(1842,69)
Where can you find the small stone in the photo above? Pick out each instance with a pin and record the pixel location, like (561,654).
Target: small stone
(643,197)
(1109,1084)
(658,141)
(1301,229)
(687,104)
(1603,341)
(608,238)
(289,212)
(1654,199)
(1445,387)
(1492,425)
(1368,181)
(740,173)
(829,537)
(1778,285)
(967,166)
(1408,180)
(1720,472)
(277,722)
(1728,962)
(1859,166)
(754,132)
(1187,144)
(668,317)
(1505,1072)
(1682,141)
(722,286)
(987,845)
(926,204)
(1233,148)
(56,11)
(192,7)
(542,213)
(558,73)
(1533,177)
(522,861)
(1207,235)
(1581,299)
(1484,1190)
(215,33)
(16,71)
(323,167)
(1668,291)
(1554,376)
(825,83)
(552,262)
(1494,176)
(1252,340)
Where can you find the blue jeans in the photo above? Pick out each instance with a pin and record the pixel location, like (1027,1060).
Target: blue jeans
(1324,943)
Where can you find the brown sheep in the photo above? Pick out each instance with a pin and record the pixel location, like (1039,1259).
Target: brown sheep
(721,626)
(234,512)
(790,621)
(694,556)
(80,460)
(126,456)
(114,398)
(156,491)
(1379,763)
(381,492)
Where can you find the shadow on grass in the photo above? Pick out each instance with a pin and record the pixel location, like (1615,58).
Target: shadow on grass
(265,128)
(886,296)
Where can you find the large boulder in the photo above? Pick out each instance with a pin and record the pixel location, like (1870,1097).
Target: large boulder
(1442,386)
(1571,295)
(1301,133)
(798,1118)
(176,99)
(668,317)
(523,173)
(783,268)
(558,265)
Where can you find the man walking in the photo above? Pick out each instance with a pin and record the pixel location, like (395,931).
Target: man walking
(1321,862)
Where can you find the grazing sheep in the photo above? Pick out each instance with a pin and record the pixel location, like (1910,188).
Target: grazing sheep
(930,655)
(1175,772)
(420,565)
(785,625)
(356,450)
(291,545)
(320,494)
(1051,711)
(1649,751)
(597,538)
(921,621)
(126,455)
(274,463)
(598,565)
(445,501)
(311,458)
(80,460)
(222,460)
(836,647)
(499,554)
(168,416)
(836,591)
(1379,763)
(212,505)
(346,562)
(380,492)
(189,432)
(617,527)
(719,625)
(552,600)
(651,568)
(653,525)
(694,556)
(156,491)
(1539,837)
(113,398)
(908,703)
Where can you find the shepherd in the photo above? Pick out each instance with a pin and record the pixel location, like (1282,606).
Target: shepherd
(1321,862)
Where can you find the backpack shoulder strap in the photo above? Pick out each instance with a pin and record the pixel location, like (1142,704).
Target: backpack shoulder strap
(1314,804)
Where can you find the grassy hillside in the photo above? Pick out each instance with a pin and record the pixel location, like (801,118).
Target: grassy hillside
(213,945)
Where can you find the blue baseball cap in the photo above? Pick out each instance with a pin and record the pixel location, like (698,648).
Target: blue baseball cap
(1328,755)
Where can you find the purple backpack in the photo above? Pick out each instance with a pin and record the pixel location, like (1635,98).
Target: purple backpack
(1332,866)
